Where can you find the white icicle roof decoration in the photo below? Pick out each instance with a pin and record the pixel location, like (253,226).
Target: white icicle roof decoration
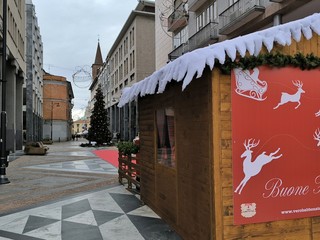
(185,67)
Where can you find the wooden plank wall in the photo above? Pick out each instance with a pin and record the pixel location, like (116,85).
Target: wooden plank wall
(306,228)
(181,196)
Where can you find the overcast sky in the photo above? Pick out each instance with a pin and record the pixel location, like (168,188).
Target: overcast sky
(70,30)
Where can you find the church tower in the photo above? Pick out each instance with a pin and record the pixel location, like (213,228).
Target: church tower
(97,63)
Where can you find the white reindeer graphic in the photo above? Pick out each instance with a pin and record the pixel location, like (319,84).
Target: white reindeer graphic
(252,168)
(286,97)
(316,136)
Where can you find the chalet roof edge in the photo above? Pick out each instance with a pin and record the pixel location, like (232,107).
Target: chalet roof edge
(193,63)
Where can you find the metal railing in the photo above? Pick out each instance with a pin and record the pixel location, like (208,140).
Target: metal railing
(205,35)
(238,9)
(178,19)
(182,49)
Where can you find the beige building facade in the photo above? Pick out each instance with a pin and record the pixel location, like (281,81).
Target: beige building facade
(80,127)
(163,37)
(15,63)
(130,59)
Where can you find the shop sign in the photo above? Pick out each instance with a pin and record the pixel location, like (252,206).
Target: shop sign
(275,144)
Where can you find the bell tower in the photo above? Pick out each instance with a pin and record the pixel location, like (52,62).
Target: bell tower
(97,62)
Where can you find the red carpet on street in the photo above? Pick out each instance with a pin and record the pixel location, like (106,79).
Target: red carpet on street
(110,156)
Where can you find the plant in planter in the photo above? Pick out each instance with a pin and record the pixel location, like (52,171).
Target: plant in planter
(47,141)
(127,148)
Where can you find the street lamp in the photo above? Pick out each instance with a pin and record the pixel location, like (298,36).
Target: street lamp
(53,104)
(3,117)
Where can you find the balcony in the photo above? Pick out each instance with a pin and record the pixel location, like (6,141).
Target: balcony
(285,1)
(194,5)
(178,20)
(179,51)
(205,36)
(239,14)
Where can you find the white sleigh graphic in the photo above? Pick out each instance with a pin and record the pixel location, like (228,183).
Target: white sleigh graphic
(249,85)
(253,168)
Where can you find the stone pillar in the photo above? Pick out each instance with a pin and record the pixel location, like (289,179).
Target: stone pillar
(19,112)
(133,120)
(125,119)
(117,122)
(29,110)
(114,121)
(11,108)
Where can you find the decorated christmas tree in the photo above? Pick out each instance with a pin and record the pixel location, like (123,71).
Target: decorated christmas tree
(99,121)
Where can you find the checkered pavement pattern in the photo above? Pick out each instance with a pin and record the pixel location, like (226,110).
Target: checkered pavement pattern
(90,166)
(113,213)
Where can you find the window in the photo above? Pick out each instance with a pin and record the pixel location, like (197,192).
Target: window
(126,66)
(132,77)
(231,2)
(131,39)
(132,36)
(116,76)
(165,137)
(121,72)
(130,61)
(116,57)
(24,96)
(125,43)
(133,60)
(180,38)
(207,16)
(120,53)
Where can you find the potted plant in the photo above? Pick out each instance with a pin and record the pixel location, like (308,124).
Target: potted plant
(127,148)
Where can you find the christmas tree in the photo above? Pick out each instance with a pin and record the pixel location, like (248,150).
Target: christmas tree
(99,121)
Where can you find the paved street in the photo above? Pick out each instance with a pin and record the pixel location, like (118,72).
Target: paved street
(33,181)
(72,194)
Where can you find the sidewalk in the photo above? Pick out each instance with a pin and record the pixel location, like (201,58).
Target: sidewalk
(72,194)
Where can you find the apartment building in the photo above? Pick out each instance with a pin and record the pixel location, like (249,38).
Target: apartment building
(130,59)
(198,23)
(15,71)
(57,107)
(33,87)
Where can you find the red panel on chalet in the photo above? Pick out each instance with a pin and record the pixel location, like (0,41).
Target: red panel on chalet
(276,136)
